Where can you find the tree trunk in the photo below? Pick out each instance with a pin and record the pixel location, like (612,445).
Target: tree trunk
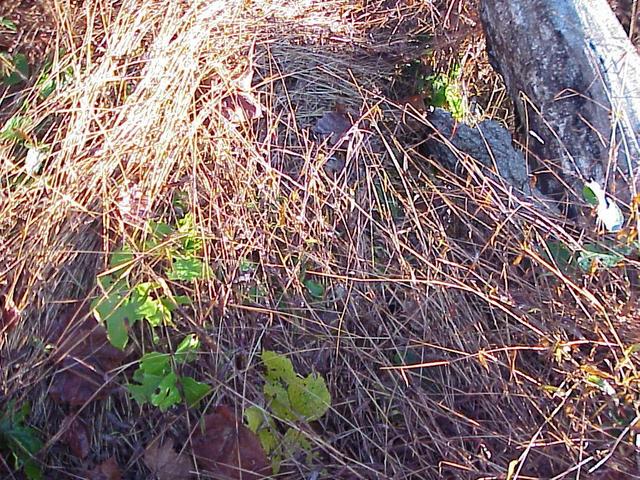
(574,77)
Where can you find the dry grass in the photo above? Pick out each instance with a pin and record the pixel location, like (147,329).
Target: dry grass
(445,271)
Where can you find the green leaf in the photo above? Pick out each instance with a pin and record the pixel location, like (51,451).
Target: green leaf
(593,253)
(293,442)
(589,196)
(117,331)
(261,423)
(194,391)
(315,289)
(167,394)
(254,418)
(310,397)
(186,269)
(32,470)
(8,24)
(14,129)
(146,307)
(175,301)
(154,367)
(19,71)
(118,314)
(155,363)
(278,399)
(560,254)
(115,311)
(191,240)
(49,81)
(187,349)
(22,441)
(268,439)
(141,393)
(279,367)
(158,233)
(120,257)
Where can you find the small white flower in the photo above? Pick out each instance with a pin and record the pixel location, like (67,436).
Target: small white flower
(609,214)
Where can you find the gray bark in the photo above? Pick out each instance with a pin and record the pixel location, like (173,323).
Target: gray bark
(575,79)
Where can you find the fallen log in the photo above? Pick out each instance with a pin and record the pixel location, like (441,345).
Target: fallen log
(574,77)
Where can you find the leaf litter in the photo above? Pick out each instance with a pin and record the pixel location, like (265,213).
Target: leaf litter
(85,360)
(165,463)
(107,470)
(224,446)
(333,125)
(76,436)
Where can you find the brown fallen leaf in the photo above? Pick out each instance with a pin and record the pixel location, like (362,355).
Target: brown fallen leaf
(226,447)
(333,126)
(76,436)
(84,358)
(165,463)
(107,470)
(415,101)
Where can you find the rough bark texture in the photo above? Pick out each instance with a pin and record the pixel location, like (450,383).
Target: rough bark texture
(575,79)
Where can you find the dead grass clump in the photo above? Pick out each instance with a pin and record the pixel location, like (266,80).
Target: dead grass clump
(454,341)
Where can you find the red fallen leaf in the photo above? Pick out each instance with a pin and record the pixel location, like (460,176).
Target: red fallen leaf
(165,463)
(333,125)
(84,357)
(226,447)
(9,315)
(76,436)
(107,470)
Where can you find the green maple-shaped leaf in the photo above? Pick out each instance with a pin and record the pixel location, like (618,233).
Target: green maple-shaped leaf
(167,394)
(155,363)
(279,367)
(254,418)
(194,391)
(118,314)
(151,309)
(142,391)
(278,399)
(120,257)
(187,269)
(154,367)
(187,349)
(310,397)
